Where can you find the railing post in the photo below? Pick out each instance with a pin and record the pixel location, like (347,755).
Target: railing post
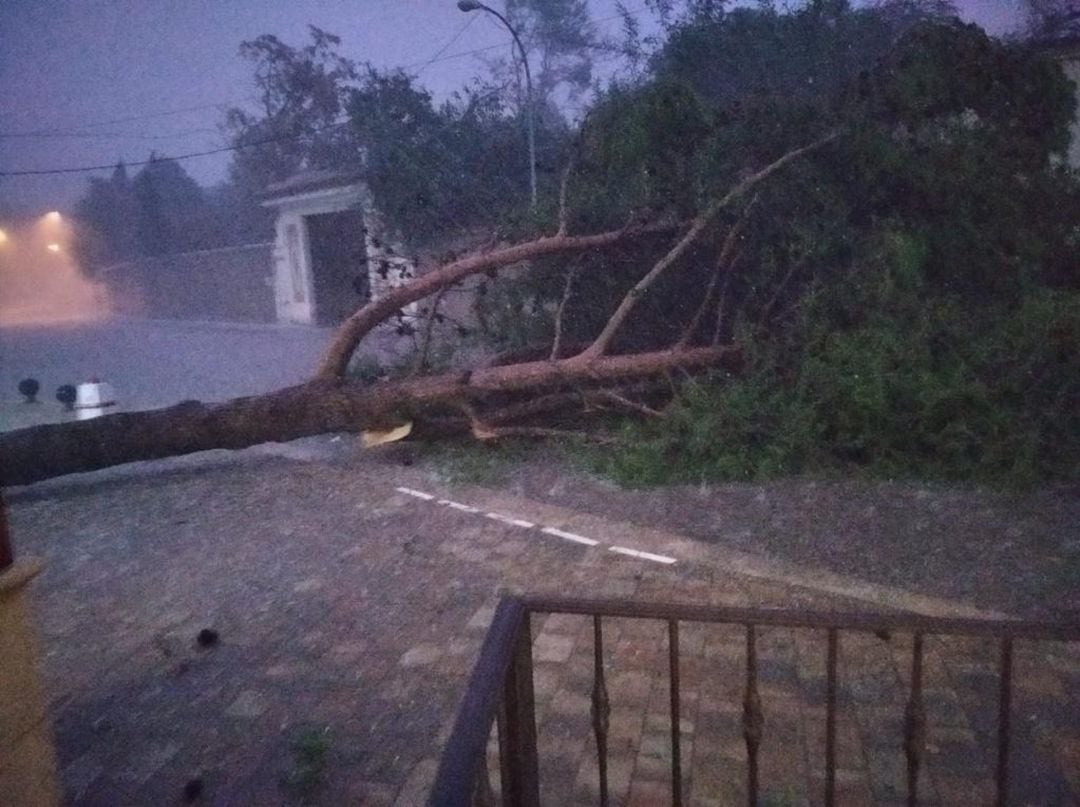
(830,718)
(915,723)
(676,750)
(1004,719)
(517,727)
(753,718)
(464,761)
(601,709)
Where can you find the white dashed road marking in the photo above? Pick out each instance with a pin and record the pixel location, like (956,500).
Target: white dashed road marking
(570,536)
(427,497)
(528,525)
(637,553)
(459,506)
(517,522)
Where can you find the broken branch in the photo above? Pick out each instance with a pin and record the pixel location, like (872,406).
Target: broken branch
(556,341)
(429,326)
(336,359)
(698,226)
(724,261)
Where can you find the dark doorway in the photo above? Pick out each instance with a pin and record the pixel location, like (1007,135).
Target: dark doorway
(338,264)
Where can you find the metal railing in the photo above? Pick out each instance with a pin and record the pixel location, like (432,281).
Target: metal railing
(500,692)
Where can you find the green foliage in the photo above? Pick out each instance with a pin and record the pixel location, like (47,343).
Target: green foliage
(467,462)
(434,171)
(160,211)
(906,299)
(301,95)
(718,429)
(934,392)
(561,39)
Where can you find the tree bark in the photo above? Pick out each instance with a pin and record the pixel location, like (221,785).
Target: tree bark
(336,359)
(317,407)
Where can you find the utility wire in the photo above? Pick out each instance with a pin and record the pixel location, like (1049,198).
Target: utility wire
(112,135)
(188,156)
(130,119)
(224,149)
(444,48)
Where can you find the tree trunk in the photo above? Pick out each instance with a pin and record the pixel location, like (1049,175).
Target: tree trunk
(317,407)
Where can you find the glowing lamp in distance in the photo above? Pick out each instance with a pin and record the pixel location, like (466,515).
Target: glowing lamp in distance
(53,247)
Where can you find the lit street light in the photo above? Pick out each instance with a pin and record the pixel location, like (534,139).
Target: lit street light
(53,247)
(3,237)
(473,5)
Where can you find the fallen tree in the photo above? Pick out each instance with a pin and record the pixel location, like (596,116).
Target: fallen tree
(482,398)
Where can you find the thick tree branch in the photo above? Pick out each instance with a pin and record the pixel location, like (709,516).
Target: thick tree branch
(625,403)
(699,225)
(317,407)
(557,401)
(336,359)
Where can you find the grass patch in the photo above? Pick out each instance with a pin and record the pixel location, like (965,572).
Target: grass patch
(467,461)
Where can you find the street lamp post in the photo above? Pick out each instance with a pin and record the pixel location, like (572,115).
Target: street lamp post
(473,5)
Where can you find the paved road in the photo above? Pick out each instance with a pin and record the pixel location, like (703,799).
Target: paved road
(152,364)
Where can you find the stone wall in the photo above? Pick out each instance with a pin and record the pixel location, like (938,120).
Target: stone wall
(231,284)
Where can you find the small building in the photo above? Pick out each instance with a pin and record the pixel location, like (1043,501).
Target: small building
(331,252)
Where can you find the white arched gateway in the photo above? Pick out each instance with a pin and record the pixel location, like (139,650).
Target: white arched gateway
(331,253)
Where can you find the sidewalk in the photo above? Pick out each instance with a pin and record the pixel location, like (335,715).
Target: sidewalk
(350,615)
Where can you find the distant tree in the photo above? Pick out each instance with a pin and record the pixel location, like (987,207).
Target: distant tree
(1052,19)
(300,104)
(107,217)
(238,214)
(562,39)
(172,212)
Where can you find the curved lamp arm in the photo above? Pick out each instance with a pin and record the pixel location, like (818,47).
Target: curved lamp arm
(473,5)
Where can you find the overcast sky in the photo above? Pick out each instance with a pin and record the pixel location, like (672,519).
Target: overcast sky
(89,82)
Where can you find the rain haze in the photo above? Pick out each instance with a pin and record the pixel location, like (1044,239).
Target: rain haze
(91,83)
(96,83)
(588,401)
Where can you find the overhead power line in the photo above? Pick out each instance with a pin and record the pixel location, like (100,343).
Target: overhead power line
(471,19)
(71,132)
(105,167)
(111,135)
(130,119)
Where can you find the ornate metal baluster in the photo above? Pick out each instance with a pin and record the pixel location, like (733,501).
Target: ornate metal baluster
(518,760)
(676,751)
(915,723)
(753,720)
(1004,709)
(601,708)
(830,719)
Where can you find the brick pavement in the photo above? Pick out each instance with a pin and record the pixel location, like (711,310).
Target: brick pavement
(960,695)
(350,616)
